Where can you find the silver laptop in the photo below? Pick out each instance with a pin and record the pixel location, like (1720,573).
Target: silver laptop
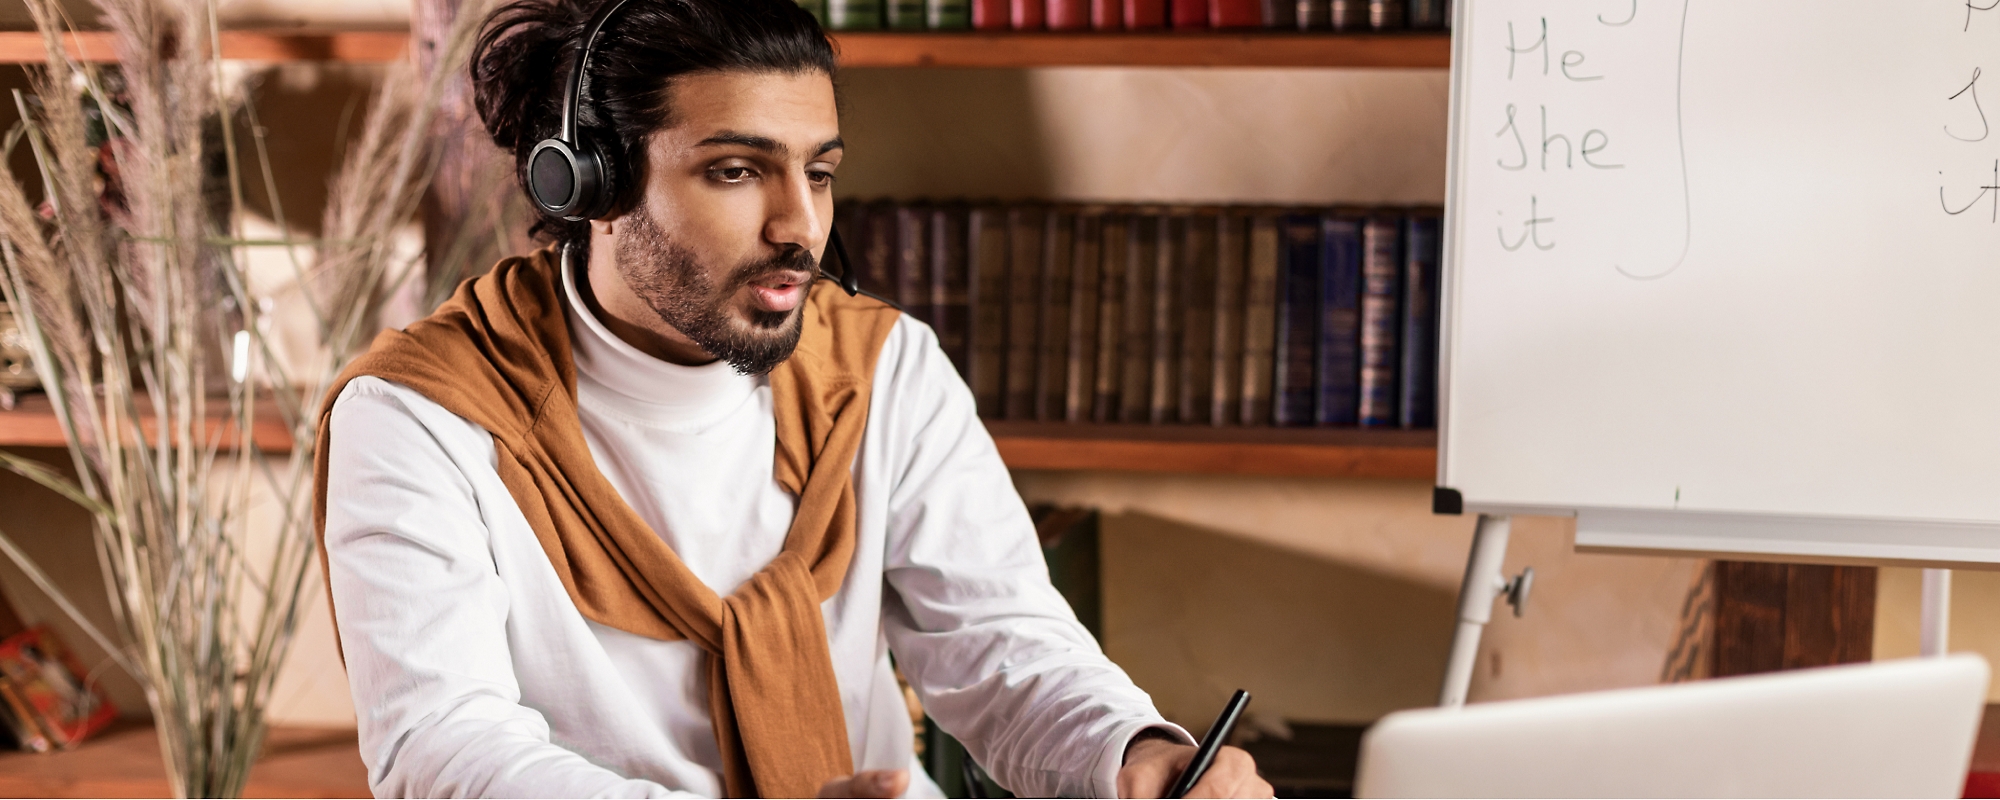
(1890,729)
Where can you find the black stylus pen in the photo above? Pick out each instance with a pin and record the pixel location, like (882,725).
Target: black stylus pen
(1210,745)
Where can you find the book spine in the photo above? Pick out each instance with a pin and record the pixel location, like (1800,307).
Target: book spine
(1228,349)
(1068,15)
(1381,301)
(1024,225)
(1280,14)
(1051,382)
(817,8)
(1112,260)
(1141,248)
(1340,321)
(1080,384)
(987,240)
(1163,403)
(1260,303)
(878,250)
(1028,15)
(1314,15)
(1349,15)
(1197,334)
(948,15)
(1388,15)
(1298,320)
(1107,15)
(912,278)
(1145,14)
(854,15)
(1426,15)
(991,15)
(1188,14)
(950,294)
(905,15)
(1423,251)
(1235,14)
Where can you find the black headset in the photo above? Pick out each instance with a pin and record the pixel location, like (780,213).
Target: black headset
(566,173)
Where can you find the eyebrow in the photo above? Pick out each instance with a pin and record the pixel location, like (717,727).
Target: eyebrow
(766,144)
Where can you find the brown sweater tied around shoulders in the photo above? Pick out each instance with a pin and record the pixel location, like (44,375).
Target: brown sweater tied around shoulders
(498,354)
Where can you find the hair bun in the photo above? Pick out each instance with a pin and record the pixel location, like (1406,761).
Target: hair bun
(520,56)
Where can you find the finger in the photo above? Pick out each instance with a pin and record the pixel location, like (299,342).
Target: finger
(1232,774)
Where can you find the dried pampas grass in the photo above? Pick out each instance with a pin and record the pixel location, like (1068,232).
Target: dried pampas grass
(128,276)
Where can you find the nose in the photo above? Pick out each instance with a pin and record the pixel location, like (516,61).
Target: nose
(794,217)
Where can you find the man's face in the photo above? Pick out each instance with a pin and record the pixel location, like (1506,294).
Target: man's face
(734,216)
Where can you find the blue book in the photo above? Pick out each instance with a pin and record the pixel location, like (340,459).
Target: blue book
(1423,261)
(1381,317)
(1339,395)
(1298,302)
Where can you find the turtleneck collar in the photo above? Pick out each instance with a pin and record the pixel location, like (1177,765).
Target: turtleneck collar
(637,386)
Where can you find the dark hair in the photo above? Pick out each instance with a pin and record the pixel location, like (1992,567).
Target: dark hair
(527,48)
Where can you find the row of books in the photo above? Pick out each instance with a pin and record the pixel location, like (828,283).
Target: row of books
(1169,314)
(1103,15)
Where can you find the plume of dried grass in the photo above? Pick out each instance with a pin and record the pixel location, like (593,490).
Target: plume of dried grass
(129,299)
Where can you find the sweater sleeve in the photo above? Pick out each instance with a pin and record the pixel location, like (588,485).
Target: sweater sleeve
(993,651)
(422,613)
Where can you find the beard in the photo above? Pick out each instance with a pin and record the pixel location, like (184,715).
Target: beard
(670,280)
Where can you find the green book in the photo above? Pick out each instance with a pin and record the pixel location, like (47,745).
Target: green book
(854,15)
(948,15)
(818,9)
(906,15)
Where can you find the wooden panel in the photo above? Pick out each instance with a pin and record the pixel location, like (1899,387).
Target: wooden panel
(1427,50)
(33,424)
(125,762)
(1171,448)
(25,47)
(1770,617)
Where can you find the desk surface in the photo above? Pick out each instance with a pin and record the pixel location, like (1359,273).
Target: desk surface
(125,762)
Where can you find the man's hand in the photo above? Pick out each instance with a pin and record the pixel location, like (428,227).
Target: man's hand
(1151,765)
(877,783)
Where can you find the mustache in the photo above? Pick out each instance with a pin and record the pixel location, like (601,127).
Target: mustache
(796,259)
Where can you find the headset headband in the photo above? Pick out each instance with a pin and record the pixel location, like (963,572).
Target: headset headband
(573,97)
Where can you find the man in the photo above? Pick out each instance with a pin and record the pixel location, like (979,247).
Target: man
(648,511)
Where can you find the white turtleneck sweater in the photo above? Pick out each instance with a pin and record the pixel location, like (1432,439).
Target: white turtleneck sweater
(473,673)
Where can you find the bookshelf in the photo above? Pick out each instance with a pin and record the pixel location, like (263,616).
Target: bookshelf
(1314,452)
(1304,452)
(1419,50)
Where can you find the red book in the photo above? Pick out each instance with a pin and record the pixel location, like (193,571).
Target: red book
(991,15)
(1235,14)
(1189,14)
(1030,15)
(1069,15)
(1107,15)
(1145,14)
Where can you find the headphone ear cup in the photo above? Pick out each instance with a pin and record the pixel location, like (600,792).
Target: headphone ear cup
(594,191)
(567,180)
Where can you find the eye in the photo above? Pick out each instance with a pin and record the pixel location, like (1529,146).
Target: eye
(732,174)
(820,177)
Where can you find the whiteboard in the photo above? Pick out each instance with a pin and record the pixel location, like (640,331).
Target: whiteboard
(1725,276)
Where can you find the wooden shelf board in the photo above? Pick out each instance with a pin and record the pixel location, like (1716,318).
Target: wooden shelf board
(882,49)
(33,423)
(1305,452)
(1246,49)
(125,762)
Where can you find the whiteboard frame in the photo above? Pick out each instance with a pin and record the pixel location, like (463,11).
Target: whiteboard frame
(1735,536)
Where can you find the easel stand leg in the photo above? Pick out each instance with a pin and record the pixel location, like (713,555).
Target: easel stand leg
(1936,620)
(1483,580)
